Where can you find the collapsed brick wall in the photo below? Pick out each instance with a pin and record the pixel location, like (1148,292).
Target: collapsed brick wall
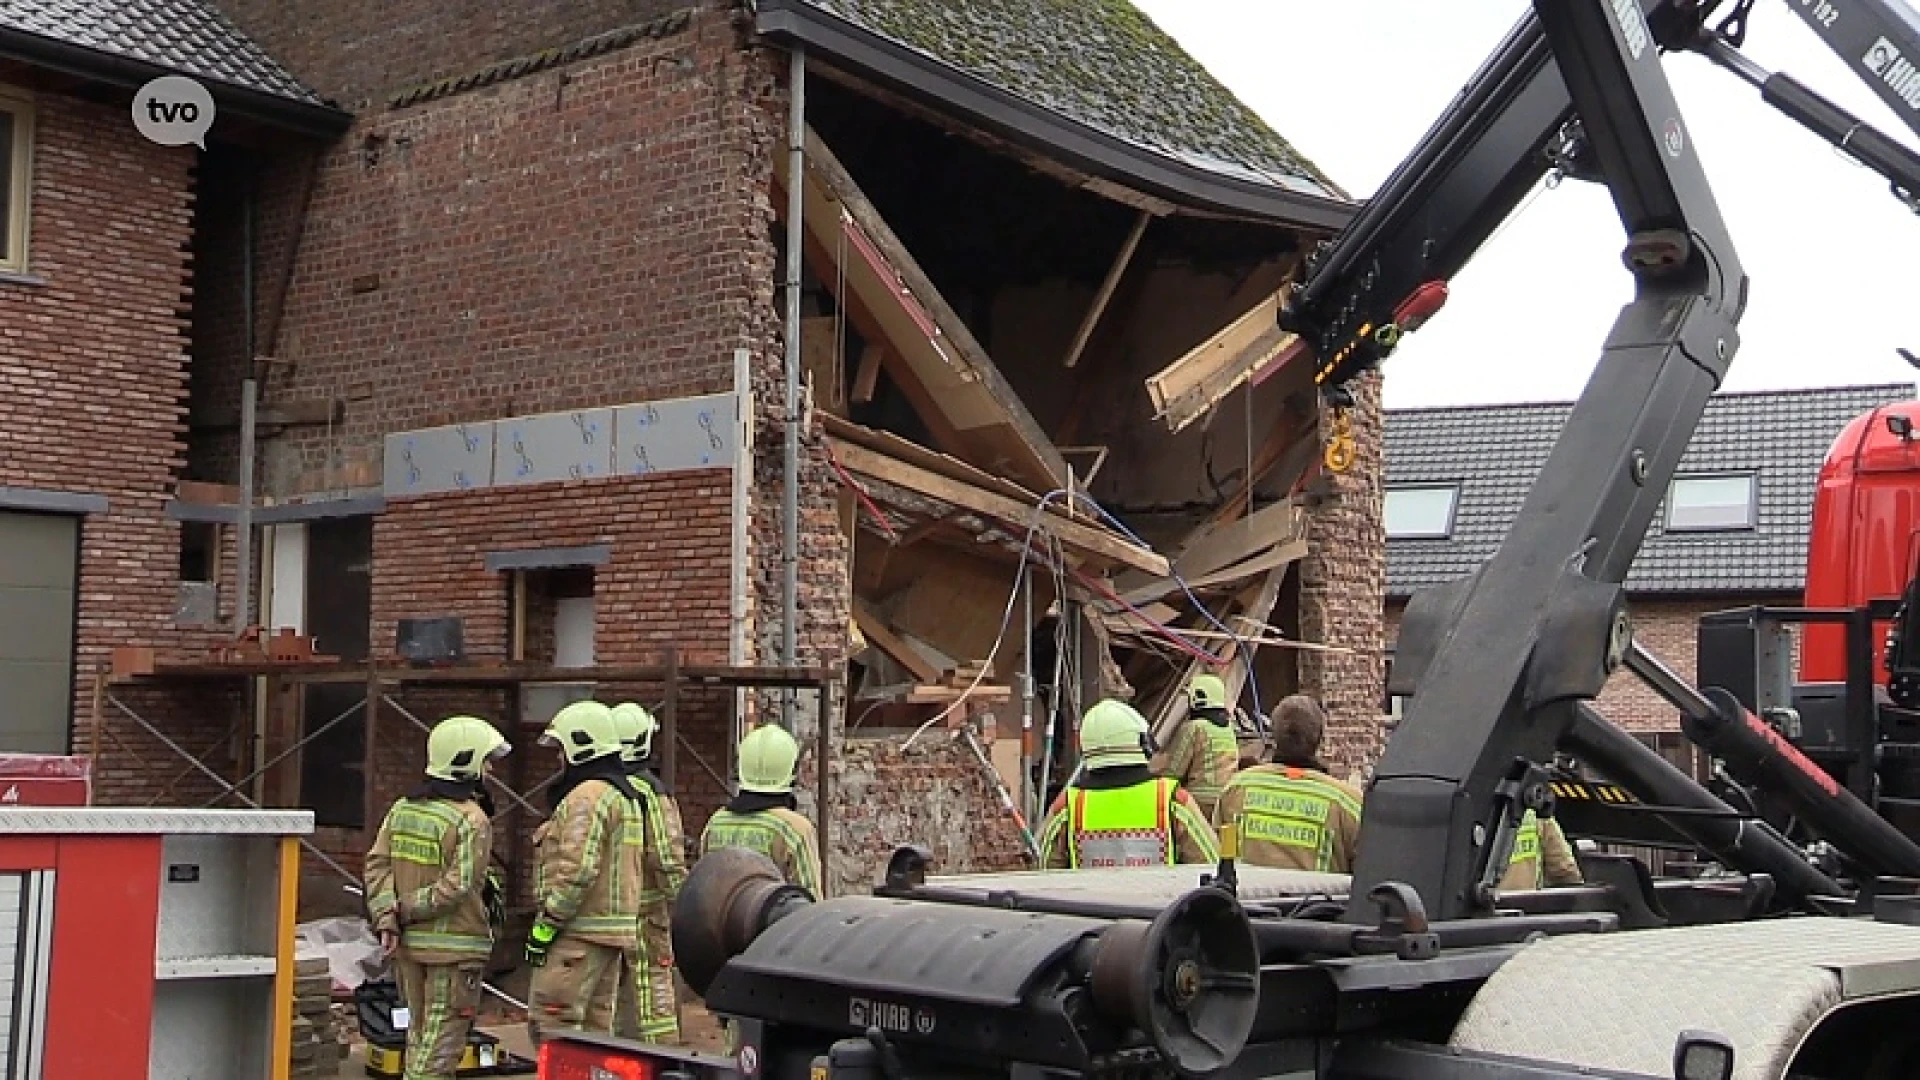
(936,795)
(1342,593)
(93,375)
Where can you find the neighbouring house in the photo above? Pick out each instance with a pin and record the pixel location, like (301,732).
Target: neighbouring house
(512,353)
(120,286)
(1731,532)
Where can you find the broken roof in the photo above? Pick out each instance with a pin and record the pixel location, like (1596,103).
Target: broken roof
(1100,66)
(1493,453)
(99,38)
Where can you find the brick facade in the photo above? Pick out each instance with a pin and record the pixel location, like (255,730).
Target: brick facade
(1341,583)
(93,362)
(586,234)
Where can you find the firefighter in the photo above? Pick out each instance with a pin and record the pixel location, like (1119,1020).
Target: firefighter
(433,900)
(1541,857)
(1204,753)
(589,869)
(646,1008)
(1292,813)
(1118,813)
(764,815)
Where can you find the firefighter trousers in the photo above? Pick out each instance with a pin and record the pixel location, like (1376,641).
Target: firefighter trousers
(647,1008)
(575,988)
(441,1002)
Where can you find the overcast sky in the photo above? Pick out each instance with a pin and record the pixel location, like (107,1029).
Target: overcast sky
(1832,254)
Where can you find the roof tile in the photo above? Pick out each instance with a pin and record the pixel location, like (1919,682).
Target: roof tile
(1494,452)
(1100,63)
(187,36)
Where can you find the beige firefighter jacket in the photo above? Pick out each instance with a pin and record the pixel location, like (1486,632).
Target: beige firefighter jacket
(589,869)
(425,879)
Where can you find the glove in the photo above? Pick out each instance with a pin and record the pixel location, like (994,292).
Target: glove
(494,895)
(539,940)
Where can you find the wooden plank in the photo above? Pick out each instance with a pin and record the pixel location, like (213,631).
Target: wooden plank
(1101,298)
(820,359)
(1236,541)
(1184,390)
(928,335)
(886,442)
(882,637)
(1253,605)
(867,379)
(1280,555)
(1085,538)
(905,379)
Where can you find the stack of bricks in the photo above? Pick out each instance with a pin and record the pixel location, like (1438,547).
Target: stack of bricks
(316,1049)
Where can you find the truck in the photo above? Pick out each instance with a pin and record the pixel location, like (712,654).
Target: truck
(1782,959)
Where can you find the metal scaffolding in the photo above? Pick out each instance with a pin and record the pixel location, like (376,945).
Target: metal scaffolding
(383,683)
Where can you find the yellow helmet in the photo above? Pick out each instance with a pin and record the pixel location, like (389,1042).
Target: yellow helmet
(636,727)
(1113,733)
(584,730)
(459,745)
(768,756)
(1206,692)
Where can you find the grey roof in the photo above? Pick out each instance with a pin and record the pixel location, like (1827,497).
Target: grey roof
(186,36)
(1494,452)
(1100,63)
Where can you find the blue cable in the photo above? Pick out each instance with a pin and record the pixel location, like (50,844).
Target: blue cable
(1253,680)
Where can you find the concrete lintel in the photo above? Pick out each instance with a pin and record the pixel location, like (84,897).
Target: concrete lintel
(549,558)
(52,502)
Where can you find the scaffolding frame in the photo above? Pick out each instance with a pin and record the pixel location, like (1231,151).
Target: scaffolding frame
(382,682)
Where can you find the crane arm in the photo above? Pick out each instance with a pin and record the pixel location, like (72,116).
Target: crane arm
(1503,659)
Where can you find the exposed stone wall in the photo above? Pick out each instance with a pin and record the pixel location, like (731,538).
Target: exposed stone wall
(936,794)
(1342,585)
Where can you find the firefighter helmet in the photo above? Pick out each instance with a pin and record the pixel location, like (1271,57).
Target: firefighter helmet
(636,727)
(584,731)
(1206,692)
(459,745)
(768,756)
(1113,733)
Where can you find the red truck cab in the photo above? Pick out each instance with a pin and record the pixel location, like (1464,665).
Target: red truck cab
(1861,540)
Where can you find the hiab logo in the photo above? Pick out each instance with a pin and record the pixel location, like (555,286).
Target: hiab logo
(1895,70)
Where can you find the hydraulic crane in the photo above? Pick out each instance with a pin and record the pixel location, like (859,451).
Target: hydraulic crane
(1416,966)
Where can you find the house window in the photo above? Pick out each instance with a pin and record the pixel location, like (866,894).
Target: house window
(16,178)
(1710,503)
(1421,512)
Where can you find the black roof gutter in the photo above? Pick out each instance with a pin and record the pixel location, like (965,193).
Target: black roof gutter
(1039,129)
(300,117)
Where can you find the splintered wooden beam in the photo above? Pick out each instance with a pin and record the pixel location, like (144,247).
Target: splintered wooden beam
(883,638)
(1011,513)
(1184,390)
(867,379)
(926,341)
(1101,298)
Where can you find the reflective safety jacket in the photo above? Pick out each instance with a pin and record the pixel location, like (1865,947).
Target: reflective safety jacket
(425,876)
(590,865)
(1203,758)
(1151,823)
(778,833)
(660,837)
(1294,818)
(1541,857)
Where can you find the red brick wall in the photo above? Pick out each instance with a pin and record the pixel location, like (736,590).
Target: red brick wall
(93,374)
(359,51)
(1342,584)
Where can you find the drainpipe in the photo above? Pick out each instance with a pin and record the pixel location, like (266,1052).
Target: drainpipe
(790,508)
